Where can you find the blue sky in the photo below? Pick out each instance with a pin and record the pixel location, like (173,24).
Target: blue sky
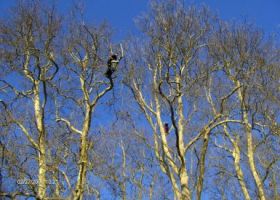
(121,13)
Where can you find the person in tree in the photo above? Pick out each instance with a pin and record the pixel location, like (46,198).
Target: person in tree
(166,128)
(112,64)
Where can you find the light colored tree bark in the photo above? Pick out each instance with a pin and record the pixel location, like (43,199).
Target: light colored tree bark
(39,115)
(37,66)
(181,50)
(235,143)
(93,89)
(246,58)
(250,146)
(236,156)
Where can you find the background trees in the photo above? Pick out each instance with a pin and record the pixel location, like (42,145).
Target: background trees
(68,131)
(28,44)
(245,56)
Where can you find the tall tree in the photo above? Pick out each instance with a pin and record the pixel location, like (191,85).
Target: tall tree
(28,43)
(86,54)
(171,74)
(247,58)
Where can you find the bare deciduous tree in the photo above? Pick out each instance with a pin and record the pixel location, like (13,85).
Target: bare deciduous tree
(191,111)
(28,44)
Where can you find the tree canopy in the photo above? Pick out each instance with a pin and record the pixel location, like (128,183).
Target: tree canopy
(190,109)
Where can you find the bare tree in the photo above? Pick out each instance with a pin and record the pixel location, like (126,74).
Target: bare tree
(86,54)
(172,75)
(28,45)
(191,111)
(181,66)
(244,56)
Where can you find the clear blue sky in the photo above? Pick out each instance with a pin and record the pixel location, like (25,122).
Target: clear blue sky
(121,13)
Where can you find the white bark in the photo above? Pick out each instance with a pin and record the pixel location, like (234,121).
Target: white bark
(250,147)
(39,115)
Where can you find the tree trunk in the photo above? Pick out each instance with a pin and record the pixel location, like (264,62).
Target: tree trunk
(81,180)
(39,115)
(240,176)
(185,193)
(250,148)
(123,190)
(200,180)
